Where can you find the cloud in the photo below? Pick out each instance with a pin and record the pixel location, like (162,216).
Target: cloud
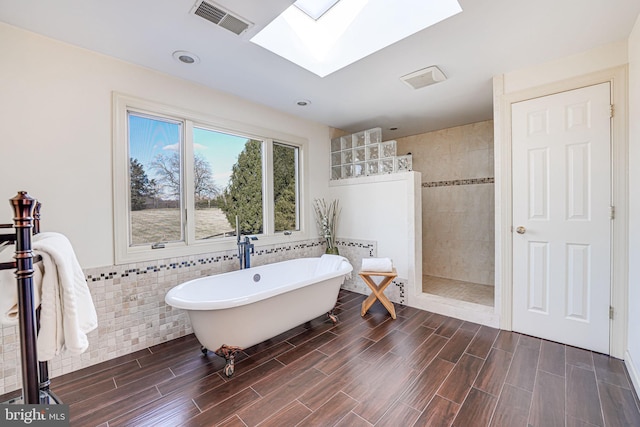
(222,178)
(176,147)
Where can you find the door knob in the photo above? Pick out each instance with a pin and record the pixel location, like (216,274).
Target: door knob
(521,230)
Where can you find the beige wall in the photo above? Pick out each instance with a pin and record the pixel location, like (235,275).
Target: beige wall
(56,133)
(457,200)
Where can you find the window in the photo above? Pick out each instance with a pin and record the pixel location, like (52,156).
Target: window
(154,179)
(285,187)
(228,182)
(183,182)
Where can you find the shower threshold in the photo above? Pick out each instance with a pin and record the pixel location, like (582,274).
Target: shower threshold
(459,290)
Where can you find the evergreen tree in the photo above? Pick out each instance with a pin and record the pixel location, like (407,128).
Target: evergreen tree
(243,195)
(141,186)
(284,187)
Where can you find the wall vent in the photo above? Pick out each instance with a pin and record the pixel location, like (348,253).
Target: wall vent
(425,77)
(221,17)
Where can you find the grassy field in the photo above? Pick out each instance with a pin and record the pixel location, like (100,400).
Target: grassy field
(163,225)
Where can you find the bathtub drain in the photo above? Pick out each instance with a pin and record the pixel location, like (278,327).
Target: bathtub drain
(256,277)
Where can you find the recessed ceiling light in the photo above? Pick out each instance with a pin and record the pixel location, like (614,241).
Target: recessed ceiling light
(185,57)
(303,103)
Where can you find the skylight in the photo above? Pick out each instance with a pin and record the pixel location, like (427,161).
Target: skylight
(315,8)
(348,30)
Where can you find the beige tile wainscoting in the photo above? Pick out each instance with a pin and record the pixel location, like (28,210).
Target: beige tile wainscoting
(132,314)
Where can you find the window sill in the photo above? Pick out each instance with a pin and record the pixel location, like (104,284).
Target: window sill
(175,250)
(398,176)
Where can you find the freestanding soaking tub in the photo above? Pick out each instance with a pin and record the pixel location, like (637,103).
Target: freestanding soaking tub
(236,310)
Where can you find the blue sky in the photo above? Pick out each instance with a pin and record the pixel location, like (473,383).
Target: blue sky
(149,137)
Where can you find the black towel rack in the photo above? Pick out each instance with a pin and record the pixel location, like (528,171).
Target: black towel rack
(35,375)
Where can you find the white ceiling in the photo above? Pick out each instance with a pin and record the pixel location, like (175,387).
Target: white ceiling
(489,37)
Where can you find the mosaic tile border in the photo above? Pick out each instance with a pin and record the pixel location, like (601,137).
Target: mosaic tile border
(455,182)
(400,284)
(202,261)
(359,244)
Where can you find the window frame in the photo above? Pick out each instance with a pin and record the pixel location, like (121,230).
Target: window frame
(298,187)
(123,251)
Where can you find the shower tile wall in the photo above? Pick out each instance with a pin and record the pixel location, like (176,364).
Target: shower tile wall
(132,314)
(457,200)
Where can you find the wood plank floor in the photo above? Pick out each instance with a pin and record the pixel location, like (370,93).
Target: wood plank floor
(422,369)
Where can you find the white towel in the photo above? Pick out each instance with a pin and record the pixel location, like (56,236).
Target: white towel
(378,265)
(9,288)
(329,263)
(67,311)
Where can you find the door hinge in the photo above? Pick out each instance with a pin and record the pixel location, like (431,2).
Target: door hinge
(612,212)
(610,312)
(612,110)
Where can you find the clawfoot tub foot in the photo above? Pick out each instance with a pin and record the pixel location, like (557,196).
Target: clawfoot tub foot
(229,368)
(334,318)
(229,353)
(204,350)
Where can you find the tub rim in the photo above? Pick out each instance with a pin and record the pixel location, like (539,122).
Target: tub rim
(173,300)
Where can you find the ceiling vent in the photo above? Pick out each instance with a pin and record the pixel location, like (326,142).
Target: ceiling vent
(221,17)
(424,77)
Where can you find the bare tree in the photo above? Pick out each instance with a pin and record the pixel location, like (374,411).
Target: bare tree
(168,170)
(167,167)
(205,188)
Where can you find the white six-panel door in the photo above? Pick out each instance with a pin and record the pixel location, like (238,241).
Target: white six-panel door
(562,217)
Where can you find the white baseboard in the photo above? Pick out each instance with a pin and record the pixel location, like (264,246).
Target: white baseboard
(633,372)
